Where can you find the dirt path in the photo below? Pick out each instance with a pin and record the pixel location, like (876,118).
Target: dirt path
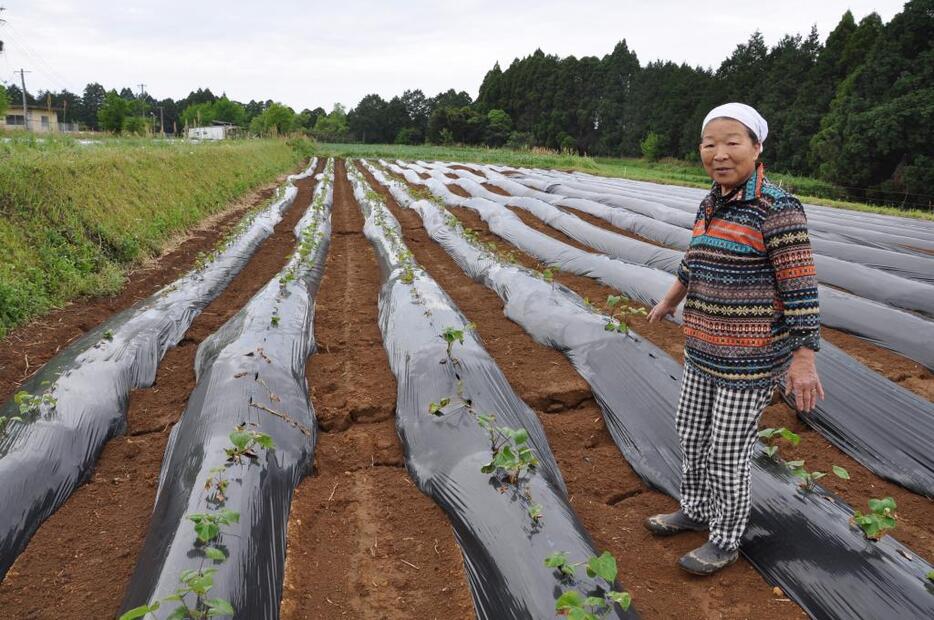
(363,542)
(607,495)
(83,555)
(916,525)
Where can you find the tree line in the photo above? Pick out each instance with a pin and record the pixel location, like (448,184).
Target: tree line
(856,110)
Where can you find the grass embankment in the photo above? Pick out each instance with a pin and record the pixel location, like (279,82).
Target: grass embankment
(74,218)
(669,171)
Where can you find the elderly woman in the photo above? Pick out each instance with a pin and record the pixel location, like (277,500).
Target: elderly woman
(750,317)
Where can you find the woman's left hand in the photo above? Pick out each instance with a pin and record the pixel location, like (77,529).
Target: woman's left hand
(802,380)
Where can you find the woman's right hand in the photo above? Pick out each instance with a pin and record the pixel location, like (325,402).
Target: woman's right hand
(660,311)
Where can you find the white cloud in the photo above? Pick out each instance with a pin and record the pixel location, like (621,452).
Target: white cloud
(316,53)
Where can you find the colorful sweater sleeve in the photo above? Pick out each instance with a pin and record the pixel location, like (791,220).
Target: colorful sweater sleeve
(786,238)
(684,274)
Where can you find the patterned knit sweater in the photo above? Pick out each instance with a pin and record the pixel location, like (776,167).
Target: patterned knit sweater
(752,290)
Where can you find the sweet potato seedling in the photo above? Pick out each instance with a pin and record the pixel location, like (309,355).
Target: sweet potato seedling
(509,449)
(549,274)
(810,478)
(208,524)
(618,309)
(452,335)
(593,604)
(880,518)
(244,443)
(771,435)
(197,582)
(31,404)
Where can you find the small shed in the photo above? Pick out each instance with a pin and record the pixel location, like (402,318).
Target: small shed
(217,131)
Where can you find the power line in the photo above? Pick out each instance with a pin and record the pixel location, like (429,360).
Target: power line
(38,60)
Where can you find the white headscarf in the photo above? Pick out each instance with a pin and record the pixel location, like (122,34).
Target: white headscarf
(743,113)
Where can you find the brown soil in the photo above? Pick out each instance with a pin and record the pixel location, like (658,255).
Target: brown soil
(82,557)
(612,511)
(363,541)
(916,526)
(468,169)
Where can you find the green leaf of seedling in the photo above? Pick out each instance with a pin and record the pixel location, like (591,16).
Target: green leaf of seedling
(535,512)
(504,458)
(603,567)
(521,436)
(219,607)
(579,613)
(623,599)
(930,575)
(614,300)
(880,506)
(795,464)
(139,612)
(841,473)
(227,516)
(186,574)
(485,421)
(595,601)
(207,531)
(770,451)
(556,559)
(767,433)
(239,439)
(201,583)
(214,553)
(179,613)
(265,441)
(489,468)
(789,436)
(571,599)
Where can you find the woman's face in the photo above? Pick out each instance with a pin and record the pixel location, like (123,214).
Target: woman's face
(728,153)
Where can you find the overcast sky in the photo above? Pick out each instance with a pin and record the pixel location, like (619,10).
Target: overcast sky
(312,53)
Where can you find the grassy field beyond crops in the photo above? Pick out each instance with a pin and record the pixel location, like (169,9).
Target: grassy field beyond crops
(74,217)
(668,171)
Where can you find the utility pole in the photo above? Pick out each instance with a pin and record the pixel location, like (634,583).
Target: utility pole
(142,102)
(22,80)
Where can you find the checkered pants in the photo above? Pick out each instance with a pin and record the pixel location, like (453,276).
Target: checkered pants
(717,428)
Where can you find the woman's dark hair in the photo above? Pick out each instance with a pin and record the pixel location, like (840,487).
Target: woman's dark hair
(752,135)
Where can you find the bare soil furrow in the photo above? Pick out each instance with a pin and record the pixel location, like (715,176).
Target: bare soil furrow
(363,541)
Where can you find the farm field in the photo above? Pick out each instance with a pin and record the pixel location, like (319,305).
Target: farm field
(286,414)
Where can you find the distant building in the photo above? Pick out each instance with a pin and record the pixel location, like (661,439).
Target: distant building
(217,131)
(37,119)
